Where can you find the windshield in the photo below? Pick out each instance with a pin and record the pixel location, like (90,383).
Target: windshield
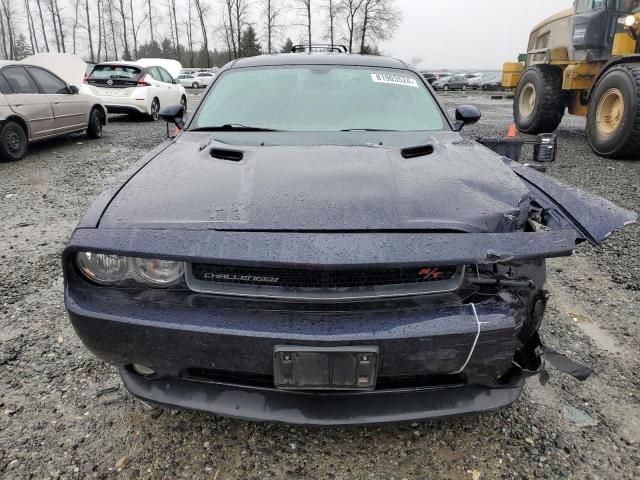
(320,98)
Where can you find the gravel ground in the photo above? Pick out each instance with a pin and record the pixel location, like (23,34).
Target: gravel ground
(63,413)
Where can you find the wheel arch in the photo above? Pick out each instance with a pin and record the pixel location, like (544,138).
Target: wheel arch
(103,109)
(20,121)
(608,66)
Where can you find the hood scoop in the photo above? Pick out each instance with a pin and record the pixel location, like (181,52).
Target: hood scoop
(227,154)
(417,152)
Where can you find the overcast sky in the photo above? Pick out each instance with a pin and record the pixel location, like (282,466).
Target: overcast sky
(473,34)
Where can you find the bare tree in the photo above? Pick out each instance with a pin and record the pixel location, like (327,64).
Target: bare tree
(32,28)
(202,10)
(305,5)
(351,9)
(55,9)
(52,11)
(240,11)
(44,30)
(76,23)
(134,30)
(189,28)
(229,28)
(331,6)
(380,19)
(150,19)
(121,8)
(109,8)
(273,11)
(173,20)
(7,31)
(89,33)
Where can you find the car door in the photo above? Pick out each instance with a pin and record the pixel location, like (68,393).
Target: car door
(158,86)
(28,102)
(70,111)
(173,90)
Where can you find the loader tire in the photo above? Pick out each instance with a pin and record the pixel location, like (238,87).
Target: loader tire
(539,103)
(613,121)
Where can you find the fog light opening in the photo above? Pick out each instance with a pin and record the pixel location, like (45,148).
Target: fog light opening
(142,370)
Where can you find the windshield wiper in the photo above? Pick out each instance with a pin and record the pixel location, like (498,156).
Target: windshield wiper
(233,127)
(367,130)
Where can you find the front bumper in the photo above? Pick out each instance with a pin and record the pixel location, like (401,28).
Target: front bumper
(435,361)
(317,409)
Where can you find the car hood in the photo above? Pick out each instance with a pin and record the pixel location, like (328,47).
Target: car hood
(460,187)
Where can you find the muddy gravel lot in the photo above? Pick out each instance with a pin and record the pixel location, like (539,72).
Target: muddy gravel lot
(63,413)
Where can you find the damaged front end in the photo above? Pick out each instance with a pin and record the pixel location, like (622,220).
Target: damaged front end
(413,324)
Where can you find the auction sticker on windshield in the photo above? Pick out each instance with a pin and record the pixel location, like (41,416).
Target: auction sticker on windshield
(394,80)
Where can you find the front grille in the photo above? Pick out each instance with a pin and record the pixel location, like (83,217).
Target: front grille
(318,283)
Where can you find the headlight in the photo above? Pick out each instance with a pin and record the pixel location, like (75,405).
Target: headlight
(630,21)
(111,270)
(161,273)
(101,268)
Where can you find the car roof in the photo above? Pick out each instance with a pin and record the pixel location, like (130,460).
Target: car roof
(284,59)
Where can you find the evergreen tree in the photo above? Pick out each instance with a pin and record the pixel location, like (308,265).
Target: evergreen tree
(288,46)
(21,48)
(249,45)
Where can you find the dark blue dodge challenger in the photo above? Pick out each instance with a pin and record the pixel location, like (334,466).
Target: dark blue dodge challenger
(319,245)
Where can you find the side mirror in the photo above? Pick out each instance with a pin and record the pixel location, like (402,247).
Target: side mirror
(73,90)
(173,114)
(466,115)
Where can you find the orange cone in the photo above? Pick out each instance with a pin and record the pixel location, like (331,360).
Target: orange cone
(513,131)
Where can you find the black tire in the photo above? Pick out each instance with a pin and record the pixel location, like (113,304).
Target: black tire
(154,114)
(623,141)
(96,121)
(13,142)
(183,102)
(445,88)
(548,106)
(195,85)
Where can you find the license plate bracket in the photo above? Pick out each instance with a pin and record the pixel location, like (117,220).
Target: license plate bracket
(325,368)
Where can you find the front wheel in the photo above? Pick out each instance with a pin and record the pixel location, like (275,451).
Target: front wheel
(195,85)
(538,105)
(13,142)
(446,88)
(613,120)
(94,128)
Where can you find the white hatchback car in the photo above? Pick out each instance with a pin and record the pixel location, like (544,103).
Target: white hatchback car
(131,88)
(188,80)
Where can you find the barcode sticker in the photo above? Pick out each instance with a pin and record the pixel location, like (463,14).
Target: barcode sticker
(394,80)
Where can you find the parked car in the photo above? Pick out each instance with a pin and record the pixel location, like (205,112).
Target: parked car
(430,77)
(492,83)
(35,104)
(455,82)
(134,89)
(439,84)
(475,80)
(205,78)
(267,263)
(188,80)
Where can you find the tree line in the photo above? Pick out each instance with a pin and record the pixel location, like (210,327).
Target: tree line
(198,33)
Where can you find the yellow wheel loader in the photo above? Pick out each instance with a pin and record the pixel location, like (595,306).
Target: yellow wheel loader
(585,59)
